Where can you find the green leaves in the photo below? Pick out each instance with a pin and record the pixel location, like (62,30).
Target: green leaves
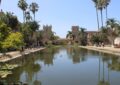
(4,31)
(14,40)
(33,25)
(34,7)
(22,4)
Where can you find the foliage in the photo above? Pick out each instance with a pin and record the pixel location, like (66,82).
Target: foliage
(12,21)
(3,18)
(13,42)
(83,37)
(34,8)
(28,16)
(113,27)
(33,25)
(4,31)
(30,33)
(69,35)
(100,38)
(95,39)
(22,4)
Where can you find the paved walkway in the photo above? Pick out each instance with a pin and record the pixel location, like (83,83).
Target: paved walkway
(109,50)
(16,54)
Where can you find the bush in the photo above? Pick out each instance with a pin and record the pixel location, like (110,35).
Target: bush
(13,41)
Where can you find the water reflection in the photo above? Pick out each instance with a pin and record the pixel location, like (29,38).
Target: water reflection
(27,72)
(53,66)
(103,80)
(76,54)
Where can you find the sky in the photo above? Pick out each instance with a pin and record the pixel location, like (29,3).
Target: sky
(62,14)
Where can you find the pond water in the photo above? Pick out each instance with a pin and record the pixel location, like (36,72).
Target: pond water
(67,66)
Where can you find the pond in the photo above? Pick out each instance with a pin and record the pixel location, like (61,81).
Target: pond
(66,66)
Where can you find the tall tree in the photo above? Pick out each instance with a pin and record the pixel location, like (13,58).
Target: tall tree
(23,6)
(101,5)
(12,21)
(112,25)
(96,6)
(34,8)
(83,37)
(106,2)
(28,16)
(69,35)
(0,1)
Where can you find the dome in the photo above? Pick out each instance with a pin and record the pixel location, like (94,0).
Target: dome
(117,41)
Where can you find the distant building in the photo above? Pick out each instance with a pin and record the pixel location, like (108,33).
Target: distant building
(76,36)
(75,33)
(47,33)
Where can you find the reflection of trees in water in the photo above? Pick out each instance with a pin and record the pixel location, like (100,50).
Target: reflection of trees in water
(29,68)
(47,55)
(36,82)
(115,63)
(76,54)
(105,59)
(92,52)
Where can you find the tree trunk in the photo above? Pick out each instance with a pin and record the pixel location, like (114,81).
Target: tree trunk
(97,18)
(34,16)
(103,71)
(0,2)
(106,13)
(99,70)
(101,17)
(23,17)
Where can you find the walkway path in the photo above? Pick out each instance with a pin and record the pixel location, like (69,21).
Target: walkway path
(109,50)
(16,54)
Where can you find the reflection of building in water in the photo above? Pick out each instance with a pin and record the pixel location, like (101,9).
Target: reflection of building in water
(76,54)
(48,56)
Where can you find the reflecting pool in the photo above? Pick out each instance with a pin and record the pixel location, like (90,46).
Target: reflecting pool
(66,66)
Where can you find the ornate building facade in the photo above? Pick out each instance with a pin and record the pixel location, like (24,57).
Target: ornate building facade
(47,33)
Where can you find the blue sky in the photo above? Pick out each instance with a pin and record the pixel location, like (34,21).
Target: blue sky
(62,14)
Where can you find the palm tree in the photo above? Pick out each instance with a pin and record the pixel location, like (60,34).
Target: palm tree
(106,7)
(112,25)
(28,16)
(34,8)
(96,6)
(0,1)
(101,5)
(23,6)
(83,37)
(69,35)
